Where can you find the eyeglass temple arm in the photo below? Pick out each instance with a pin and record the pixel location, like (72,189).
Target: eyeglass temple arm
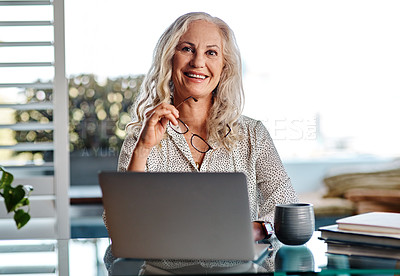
(191,97)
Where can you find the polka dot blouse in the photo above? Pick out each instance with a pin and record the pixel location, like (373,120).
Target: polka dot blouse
(255,155)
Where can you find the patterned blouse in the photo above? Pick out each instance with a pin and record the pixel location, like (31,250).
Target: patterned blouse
(255,155)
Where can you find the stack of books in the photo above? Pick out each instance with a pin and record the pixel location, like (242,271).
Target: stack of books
(375,234)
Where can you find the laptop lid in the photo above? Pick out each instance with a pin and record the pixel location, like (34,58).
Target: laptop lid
(178,215)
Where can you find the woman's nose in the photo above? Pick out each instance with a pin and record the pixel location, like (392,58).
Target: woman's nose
(197,61)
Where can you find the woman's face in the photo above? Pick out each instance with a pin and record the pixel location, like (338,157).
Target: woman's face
(198,61)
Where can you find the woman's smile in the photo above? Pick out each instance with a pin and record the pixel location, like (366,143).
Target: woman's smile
(195,76)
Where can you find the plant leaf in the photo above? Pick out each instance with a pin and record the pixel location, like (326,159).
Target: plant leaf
(13,197)
(21,218)
(6,179)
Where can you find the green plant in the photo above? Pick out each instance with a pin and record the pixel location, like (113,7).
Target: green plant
(15,198)
(99,110)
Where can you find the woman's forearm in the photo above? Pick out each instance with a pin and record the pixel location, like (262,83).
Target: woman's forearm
(138,159)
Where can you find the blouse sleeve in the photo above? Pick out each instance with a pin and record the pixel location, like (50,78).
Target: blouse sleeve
(273,183)
(126,152)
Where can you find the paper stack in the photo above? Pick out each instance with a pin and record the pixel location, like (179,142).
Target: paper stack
(375,234)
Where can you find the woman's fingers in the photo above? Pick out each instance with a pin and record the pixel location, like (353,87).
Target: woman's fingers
(164,122)
(162,111)
(156,123)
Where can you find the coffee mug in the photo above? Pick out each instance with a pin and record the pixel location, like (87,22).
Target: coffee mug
(294,223)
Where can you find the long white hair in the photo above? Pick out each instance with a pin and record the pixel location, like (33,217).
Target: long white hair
(228,97)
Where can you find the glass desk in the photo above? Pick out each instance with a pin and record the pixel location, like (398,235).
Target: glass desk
(85,257)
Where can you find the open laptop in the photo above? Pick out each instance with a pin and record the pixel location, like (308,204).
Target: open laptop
(189,216)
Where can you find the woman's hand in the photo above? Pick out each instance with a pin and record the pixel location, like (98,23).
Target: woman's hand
(154,127)
(155,124)
(258,232)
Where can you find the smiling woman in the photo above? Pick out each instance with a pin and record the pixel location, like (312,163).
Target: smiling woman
(188,117)
(196,44)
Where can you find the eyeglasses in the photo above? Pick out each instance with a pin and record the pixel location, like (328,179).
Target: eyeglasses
(197,142)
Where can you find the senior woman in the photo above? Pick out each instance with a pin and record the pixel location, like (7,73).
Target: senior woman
(188,116)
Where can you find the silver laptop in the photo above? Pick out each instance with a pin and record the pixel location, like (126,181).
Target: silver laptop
(185,216)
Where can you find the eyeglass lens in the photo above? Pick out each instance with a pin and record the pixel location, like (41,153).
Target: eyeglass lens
(199,143)
(180,128)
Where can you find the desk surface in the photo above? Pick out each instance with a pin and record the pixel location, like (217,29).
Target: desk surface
(85,257)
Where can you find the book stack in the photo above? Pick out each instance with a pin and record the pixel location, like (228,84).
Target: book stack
(375,234)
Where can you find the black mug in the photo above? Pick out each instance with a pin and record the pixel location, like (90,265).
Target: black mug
(294,223)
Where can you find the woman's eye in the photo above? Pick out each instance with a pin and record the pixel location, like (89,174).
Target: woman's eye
(187,49)
(212,53)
